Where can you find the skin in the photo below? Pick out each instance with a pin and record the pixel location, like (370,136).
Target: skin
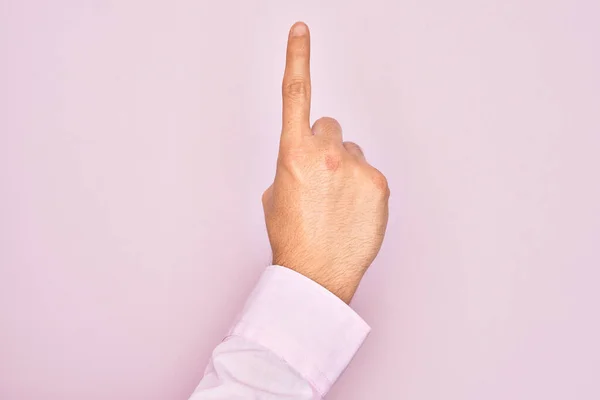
(327,209)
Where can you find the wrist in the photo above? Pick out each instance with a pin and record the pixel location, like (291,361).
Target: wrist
(342,284)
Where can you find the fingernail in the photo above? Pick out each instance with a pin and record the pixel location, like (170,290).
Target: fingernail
(299,29)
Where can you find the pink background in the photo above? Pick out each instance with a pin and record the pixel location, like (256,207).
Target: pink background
(137,137)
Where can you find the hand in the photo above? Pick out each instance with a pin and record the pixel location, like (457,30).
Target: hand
(327,210)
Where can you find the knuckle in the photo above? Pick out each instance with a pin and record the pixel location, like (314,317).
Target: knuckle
(380,182)
(291,160)
(328,146)
(327,125)
(353,147)
(328,121)
(329,155)
(295,88)
(333,160)
(285,161)
(265,195)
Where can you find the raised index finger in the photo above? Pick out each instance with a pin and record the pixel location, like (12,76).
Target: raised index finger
(296,83)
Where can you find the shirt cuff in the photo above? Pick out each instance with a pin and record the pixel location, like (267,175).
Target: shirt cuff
(306,325)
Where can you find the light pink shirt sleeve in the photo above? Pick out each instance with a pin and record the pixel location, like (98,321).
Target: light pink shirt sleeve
(292,340)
